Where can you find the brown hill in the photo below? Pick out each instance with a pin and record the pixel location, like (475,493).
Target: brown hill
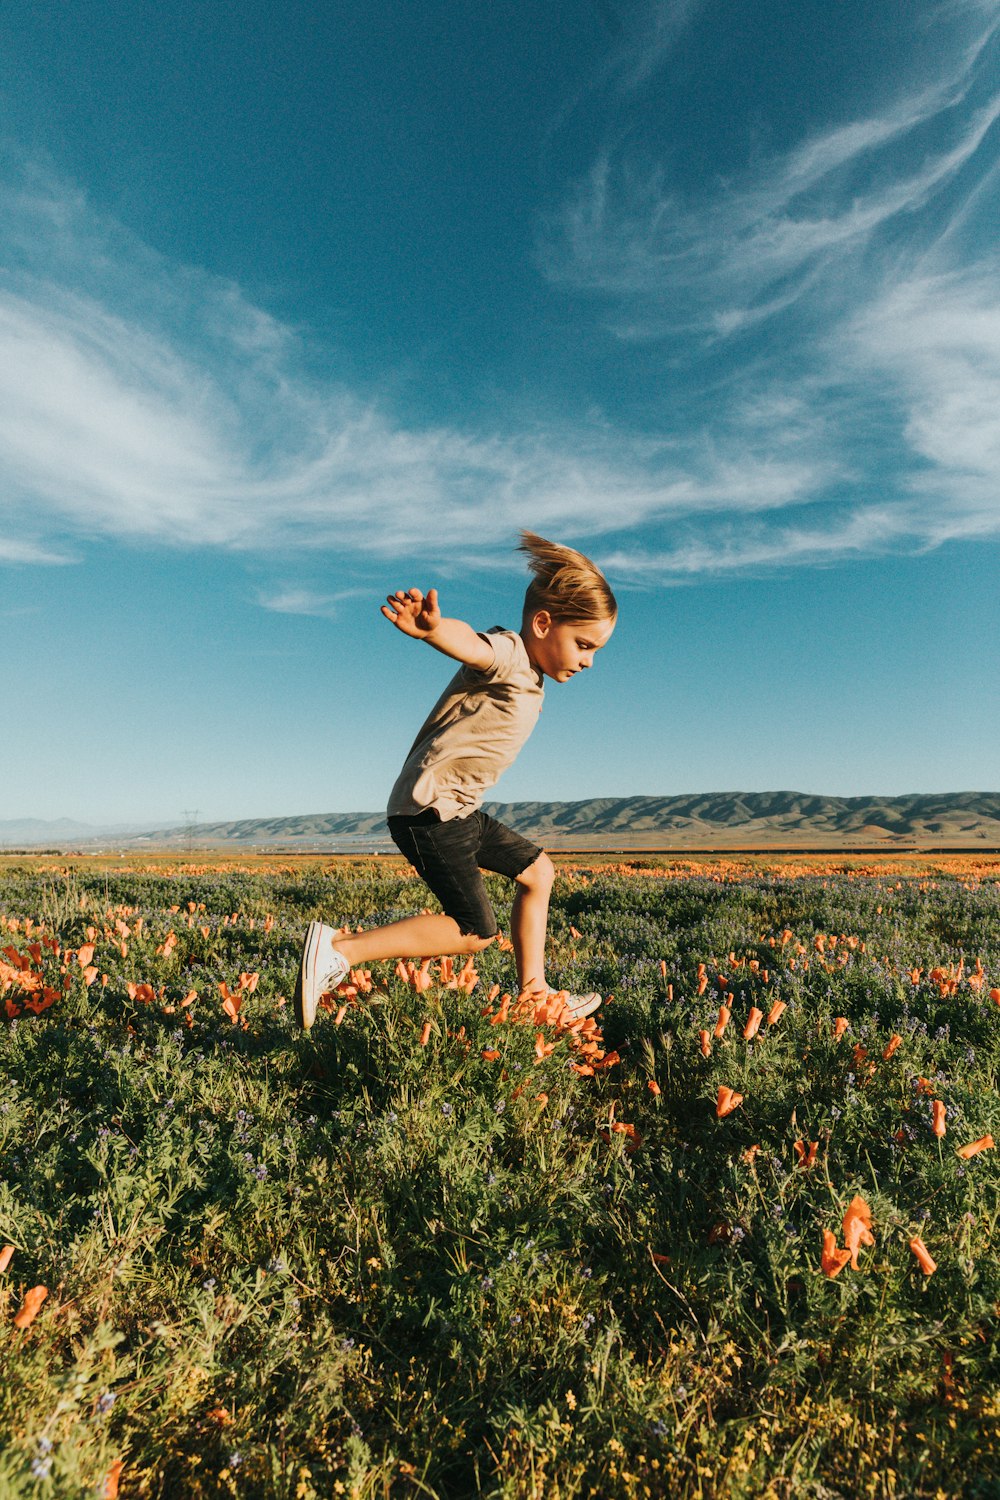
(700,820)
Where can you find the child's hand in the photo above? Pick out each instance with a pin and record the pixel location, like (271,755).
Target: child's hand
(412,613)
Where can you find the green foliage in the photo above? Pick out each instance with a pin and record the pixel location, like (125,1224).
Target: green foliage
(348,1264)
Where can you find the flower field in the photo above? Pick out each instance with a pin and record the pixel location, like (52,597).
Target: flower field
(734,1236)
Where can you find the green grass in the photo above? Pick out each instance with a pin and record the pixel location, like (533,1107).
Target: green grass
(347,1264)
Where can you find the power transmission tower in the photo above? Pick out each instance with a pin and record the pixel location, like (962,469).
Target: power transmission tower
(190,816)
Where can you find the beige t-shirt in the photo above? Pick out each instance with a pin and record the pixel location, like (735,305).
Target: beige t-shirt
(472,734)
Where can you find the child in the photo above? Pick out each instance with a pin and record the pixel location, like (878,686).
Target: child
(473,733)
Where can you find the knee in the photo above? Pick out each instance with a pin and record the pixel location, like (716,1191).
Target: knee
(475,942)
(540,873)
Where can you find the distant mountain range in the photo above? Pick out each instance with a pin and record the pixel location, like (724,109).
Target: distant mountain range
(704,820)
(61,831)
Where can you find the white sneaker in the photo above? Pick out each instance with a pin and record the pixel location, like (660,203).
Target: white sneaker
(322,968)
(581,1005)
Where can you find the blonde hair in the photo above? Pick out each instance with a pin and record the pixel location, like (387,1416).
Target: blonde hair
(566,583)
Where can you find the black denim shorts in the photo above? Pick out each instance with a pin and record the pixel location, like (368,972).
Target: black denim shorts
(448,857)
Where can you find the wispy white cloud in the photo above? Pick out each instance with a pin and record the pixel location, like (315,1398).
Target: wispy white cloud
(15,550)
(152,402)
(744,252)
(148,401)
(648,31)
(292,599)
(936,341)
(868,531)
(856,239)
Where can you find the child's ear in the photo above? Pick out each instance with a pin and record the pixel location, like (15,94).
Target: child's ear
(541,622)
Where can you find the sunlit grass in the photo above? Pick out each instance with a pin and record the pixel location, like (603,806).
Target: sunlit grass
(375,1261)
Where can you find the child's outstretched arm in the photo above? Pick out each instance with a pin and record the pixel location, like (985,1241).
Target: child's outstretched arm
(418,615)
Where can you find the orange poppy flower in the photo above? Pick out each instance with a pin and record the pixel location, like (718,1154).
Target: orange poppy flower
(633,1140)
(425,1034)
(832,1260)
(753,1023)
(749,1154)
(727,1101)
(111,1479)
(654,1088)
(85,954)
(839,1027)
(775,1013)
(723,1020)
(6,1256)
(893,1042)
(230,1003)
(341,1013)
(421,979)
(706,1043)
(806,1158)
(29,1307)
(984,1143)
(542,1099)
(857,1228)
(938,1125)
(490,1054)
(927,1263)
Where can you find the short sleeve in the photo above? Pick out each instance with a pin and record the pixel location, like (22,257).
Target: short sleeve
(505,654)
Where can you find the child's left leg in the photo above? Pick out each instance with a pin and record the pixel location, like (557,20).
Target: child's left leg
(529,917)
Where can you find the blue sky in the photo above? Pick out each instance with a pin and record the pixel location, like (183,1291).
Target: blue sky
(300,305)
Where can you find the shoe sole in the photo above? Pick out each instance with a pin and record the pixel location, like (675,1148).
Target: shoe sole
(580,1011)
(310,949)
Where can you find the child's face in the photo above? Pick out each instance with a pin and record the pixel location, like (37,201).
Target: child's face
(561,647)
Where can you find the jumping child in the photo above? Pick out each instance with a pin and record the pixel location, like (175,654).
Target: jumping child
(472,734)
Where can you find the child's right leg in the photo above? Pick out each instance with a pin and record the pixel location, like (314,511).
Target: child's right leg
(444,856)
(424,936)
(327,958)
